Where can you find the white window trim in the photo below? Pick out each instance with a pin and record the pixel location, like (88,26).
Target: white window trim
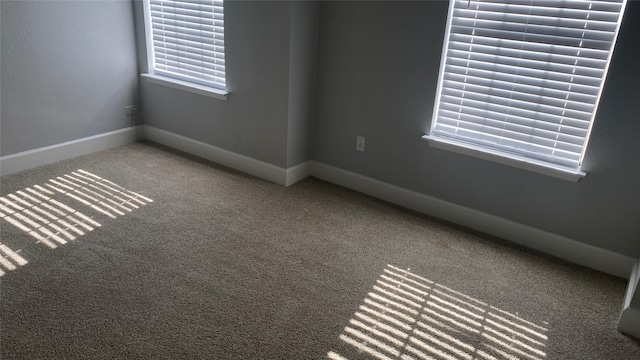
(502,157)
(186,86)
(516,161)
(150,76)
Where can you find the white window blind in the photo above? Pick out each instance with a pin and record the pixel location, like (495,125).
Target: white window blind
(522,78)
(186,40)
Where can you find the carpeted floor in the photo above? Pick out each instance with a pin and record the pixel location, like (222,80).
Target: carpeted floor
(141,252)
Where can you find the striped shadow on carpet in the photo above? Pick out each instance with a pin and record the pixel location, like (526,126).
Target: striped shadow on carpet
(409,317)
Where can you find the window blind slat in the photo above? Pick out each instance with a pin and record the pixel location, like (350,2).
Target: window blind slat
(525,90)
(533,99)
(537,138)
(523,76)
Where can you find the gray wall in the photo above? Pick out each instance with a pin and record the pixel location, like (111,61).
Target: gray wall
(302,70)
(378,64)
(262,40)
(68,70)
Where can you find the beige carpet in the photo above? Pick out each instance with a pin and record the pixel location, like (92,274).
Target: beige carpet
(141,252)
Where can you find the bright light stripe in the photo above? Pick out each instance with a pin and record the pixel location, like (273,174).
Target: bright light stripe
(485,355)
(2,273)
(2,214)
(86,218)
(101,190)
(67,181)
(7,264)
(70,227)
(410,274)
(54,209)
(36,216)
(444,335)
(102,211)
(364,348)
(42,239)
(17,224)
(85,195)
(441,325)
(452,349)
(19,200)
(380,325)
(61,231)
(417,353)
(128,202)
(6,209)
(387,318)
(51,235)
(503,354)
(79,222)
(57,183)
(83,201)
(334,356)
(403,285)
(516,317)
(509,347)
(465,303)
(426,347)
(76,178)
(405,278)
(119,205)
(397,297)
(465,327)
(386,301)
(386,310)
(102,203)
(462,295)
(133,198)
(44,190)
(45,213)
(89,175)
(11,203)
(371,341)
(521,327)
(398,290)
(514,333)
(28,197)
(432,304)
(13,255)
(138,196)
(515,342)
(38,194)
(376,332)
(456,307)
(27,221)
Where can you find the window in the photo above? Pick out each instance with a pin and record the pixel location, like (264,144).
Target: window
(185,42)
(520,80)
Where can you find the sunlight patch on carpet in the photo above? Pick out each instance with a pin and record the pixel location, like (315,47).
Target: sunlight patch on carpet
(409,317)
(36,211)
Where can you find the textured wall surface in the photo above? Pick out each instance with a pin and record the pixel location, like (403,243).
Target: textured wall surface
(68,71)
(378,65)
(254,119)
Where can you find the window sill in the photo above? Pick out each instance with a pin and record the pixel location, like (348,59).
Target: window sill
(186,86)
(513,160)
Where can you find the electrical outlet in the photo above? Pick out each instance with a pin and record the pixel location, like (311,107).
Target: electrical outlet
(360,143)
(131,110)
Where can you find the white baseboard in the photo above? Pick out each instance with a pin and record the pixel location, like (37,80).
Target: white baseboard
(49,154)
(233,160)
(630,316)
(565,248)
(298,172)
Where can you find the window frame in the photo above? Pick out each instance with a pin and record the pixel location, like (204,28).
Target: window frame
(219,92)
(503,156)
